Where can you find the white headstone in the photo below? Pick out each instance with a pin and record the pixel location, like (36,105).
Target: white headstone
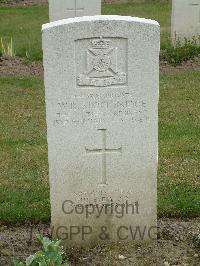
(63,9)
(185,19)
(101,80)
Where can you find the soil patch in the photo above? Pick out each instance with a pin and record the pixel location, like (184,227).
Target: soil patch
(176,245)
(23,2)
(189,65)
(16,66)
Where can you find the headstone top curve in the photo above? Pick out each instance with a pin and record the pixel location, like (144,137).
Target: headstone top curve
(58,23)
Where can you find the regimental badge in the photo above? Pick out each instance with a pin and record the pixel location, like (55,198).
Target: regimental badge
(102,67)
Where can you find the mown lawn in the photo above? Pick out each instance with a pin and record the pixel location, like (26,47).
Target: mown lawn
(24,189)
(23,150)
(23,24)
(179,135)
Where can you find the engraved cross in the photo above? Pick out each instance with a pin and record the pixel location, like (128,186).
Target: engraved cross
(196,4)
(75,9)
(103,152)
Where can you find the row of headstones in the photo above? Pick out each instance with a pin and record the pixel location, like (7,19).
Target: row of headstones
(185,14)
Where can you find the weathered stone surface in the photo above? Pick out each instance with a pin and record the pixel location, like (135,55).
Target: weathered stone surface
(185,19)
(101,80)
(63,9)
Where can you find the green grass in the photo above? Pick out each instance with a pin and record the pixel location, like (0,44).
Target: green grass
(179,131)
(24,189)
(23,24)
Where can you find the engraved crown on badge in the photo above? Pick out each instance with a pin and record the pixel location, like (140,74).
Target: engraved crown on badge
(100,44)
